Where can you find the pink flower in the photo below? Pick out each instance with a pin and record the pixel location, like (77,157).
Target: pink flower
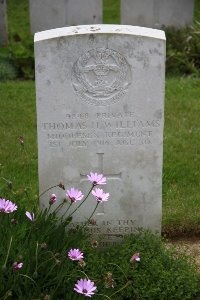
(96,178)
(16,266)
(31,216)
(135,257)
(85,287)
(74,195)
(75,254)
(52,199)
(100,195)
(7,206)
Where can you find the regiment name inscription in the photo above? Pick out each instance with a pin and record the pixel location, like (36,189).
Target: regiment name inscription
(85,129)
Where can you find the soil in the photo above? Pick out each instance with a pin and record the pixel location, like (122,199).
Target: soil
(190,247)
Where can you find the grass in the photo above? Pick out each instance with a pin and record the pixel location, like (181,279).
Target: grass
(18,163)
(181,183)
(181,200)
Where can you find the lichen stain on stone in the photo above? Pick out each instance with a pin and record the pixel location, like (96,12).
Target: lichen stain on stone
(40,68)
(158,114)
(60,42)
(91,37)
(48,82)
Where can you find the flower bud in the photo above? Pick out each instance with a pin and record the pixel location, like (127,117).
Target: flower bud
(21,140)
(81,263)
(43,246)
(61,186)
(14,221)
(53,199)
(95,244)
(92,222)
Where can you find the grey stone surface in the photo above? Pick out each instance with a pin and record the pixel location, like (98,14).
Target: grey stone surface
(157,13)
(3,23)
(49,14)
(100,98)
(84,12)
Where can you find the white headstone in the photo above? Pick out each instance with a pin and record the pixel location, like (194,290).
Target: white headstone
(157,13)
(49,14)
(3,23)
(100,97)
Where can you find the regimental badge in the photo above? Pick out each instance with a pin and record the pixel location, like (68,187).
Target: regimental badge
(101,76)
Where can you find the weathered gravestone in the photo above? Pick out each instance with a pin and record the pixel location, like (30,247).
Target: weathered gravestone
(100,94)
(84,12)
(49,14)
(157,13)
(3,23)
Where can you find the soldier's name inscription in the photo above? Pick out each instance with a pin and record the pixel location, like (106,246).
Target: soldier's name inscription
(106,129)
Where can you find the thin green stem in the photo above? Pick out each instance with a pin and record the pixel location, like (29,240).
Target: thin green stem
(119,269)
(48,208)
(36,258)
(28,162)
(8,181)
(122,288)
(67,209)
(26,276)
(84,274)
(4,266)
(107,297)
(82,201)
(58,207)
(48,190)
(88,220)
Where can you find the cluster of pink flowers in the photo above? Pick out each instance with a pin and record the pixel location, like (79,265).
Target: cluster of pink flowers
(74,195)
(7,206)
(135,257)
(17,266)
(83,286)
(96,178)
(75,254)
(100,195)
(30,216)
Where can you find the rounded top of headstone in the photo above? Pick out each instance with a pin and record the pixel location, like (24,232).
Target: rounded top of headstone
(99,29)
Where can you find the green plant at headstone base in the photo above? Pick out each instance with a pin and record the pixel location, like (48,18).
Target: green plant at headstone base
(42,244)
(183,50)
(22,55)
(7,70)
(20,52)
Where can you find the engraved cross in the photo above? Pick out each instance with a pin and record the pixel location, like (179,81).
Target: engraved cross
(108,177)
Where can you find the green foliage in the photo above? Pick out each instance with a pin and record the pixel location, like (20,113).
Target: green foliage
(20,48)
(22,55)
(42,246)
(7,70)
(161,273)
(181,173)
(183,50)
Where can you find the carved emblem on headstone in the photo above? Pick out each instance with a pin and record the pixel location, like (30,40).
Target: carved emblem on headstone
(101,76)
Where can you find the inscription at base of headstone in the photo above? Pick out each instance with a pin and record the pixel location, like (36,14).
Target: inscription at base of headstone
(3,23)
(100,99)
(49,14)
(157,13)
